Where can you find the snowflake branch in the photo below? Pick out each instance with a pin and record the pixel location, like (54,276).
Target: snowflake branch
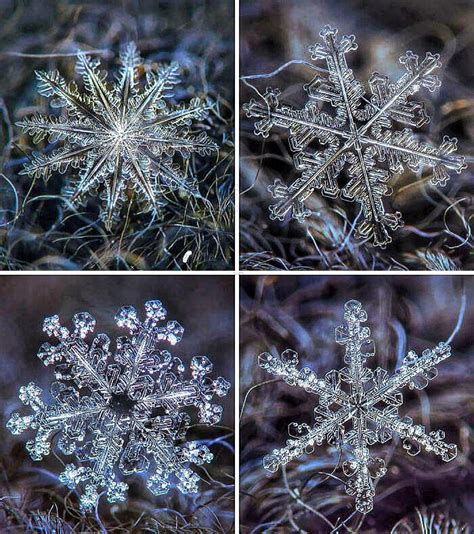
(415,434)
(91,176)
(301,445)
(88,69)
(415,371)
(54,84)
(285,367)
(42,165)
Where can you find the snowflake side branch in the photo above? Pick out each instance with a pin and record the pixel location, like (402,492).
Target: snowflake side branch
(415,434)
(304,438)
(54,84)
(285,367)
(93,82)
(415,372)
(43,165)
(418,74)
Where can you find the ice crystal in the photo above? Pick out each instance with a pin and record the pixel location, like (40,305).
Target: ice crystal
(121,413)
(360,136)
(358,407)
(118,136)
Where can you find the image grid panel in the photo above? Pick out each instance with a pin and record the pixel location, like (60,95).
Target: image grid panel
(129,416)
(356,400)
(355,135)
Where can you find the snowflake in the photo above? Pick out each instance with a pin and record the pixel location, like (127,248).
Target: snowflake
(117,136)
(368,399)
(121,416)
(360,135)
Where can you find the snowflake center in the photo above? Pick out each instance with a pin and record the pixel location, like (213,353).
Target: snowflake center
(121,404)
(121,134)
(358,402)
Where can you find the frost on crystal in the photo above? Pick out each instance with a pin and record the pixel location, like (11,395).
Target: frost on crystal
(121,412)
(359,135)
(358,407)
(120,136)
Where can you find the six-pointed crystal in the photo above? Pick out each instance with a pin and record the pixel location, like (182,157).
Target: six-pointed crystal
(358,407)
(117,136)
(360,136)
(123,411)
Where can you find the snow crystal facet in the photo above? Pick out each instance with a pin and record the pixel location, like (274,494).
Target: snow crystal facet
(360,136)
(121,412)
(119,137)
(366,399)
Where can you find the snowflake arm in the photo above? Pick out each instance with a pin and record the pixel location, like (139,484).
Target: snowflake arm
(43,165)
(58,129)
(303,438)
(362,469)
(67,95)
(120,412)
(285,367)
(367,400)
(119,137)
(128,76)
(94,83)
(415,372)
(182,114)
(363,137)
(414,436)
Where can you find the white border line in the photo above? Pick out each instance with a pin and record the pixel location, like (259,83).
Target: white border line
(237,404)
(237,262)
(355,273)
(237,136)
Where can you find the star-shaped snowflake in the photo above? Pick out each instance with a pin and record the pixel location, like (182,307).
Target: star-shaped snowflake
(123,412)
(366,406)
(117,136)
(359,136)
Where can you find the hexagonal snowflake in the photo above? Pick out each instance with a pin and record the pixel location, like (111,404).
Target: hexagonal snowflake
(120,137)
(368,400)
(120,412)
(361,135)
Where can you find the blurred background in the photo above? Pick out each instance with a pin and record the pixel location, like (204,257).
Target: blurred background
(419,494)
(36,229)
(437,231)
(30,493)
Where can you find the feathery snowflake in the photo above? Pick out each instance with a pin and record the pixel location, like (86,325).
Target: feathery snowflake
(360,136)
(358,407)
(118,137)
(121,413)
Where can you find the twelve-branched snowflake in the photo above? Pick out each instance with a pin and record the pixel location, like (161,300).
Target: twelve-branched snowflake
(368,399)
(117,136)
(121,413)
(361,134)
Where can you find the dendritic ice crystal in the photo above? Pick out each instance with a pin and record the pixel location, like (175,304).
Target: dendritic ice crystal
(358,407)
(360,136)
(123,412)
(121,136)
